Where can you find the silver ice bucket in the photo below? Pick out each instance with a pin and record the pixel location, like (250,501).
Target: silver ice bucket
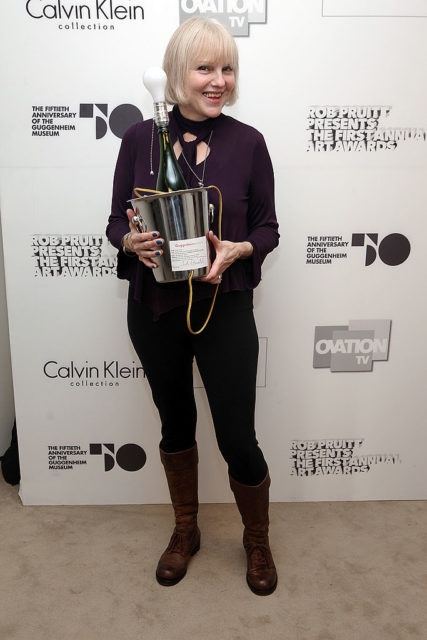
(182,218)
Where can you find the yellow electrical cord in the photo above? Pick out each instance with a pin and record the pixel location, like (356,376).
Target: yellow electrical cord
(190,277)
(146,191)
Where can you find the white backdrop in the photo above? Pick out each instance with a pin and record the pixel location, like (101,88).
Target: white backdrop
(340,96)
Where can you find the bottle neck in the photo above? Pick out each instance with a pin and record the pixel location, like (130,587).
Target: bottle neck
(161,115)
(164,139)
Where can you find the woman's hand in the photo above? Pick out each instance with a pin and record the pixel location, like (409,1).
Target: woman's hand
(146,245)
(226,253)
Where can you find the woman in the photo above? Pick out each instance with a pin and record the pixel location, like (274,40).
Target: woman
(201,63)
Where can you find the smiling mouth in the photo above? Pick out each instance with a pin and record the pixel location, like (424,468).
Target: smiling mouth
(213,95)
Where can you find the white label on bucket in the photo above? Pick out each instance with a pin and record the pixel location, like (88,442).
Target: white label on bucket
(188,254)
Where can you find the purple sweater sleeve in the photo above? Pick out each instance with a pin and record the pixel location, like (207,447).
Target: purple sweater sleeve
(262,223)
(118,223)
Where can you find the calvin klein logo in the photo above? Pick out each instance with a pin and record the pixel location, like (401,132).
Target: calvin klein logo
(99,10)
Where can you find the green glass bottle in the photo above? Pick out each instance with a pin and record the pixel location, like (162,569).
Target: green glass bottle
(170,176)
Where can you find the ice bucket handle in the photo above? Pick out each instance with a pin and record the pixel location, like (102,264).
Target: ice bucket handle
(140,193)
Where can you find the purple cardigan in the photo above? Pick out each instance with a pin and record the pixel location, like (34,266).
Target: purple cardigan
(239,164)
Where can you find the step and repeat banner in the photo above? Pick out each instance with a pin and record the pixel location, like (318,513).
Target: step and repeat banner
(337,88)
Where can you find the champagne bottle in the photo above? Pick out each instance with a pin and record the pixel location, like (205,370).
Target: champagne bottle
(170,176)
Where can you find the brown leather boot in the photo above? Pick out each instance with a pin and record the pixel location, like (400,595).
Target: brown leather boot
(181,474)
(252,503)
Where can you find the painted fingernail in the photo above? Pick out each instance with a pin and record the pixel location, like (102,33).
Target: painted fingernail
(159,242)
(154,235)
(157,253)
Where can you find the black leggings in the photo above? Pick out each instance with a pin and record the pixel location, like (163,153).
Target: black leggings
(226,353)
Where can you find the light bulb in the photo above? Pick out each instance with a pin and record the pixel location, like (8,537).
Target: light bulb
(155,82)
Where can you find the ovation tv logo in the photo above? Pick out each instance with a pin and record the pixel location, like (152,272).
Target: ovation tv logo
(100,15)
(237,15)
(352,347)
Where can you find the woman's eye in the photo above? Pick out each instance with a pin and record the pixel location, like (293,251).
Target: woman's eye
(203,67)
(228,69)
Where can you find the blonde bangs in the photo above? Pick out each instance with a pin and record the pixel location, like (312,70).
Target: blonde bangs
(211,48)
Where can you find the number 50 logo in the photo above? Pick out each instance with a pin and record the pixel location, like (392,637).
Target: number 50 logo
(392,250)
(129,457)
(118,121)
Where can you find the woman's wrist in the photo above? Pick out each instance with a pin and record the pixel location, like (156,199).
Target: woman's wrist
(127,249)
(245,249)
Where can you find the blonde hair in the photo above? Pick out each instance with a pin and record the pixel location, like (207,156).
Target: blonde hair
(197,39)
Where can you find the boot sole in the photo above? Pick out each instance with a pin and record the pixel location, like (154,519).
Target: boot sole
(170,582)
(262,592)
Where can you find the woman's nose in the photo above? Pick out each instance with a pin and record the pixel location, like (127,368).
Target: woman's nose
(218,79)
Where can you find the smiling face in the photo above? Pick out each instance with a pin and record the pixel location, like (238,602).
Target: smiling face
(202,67)
(208,87)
